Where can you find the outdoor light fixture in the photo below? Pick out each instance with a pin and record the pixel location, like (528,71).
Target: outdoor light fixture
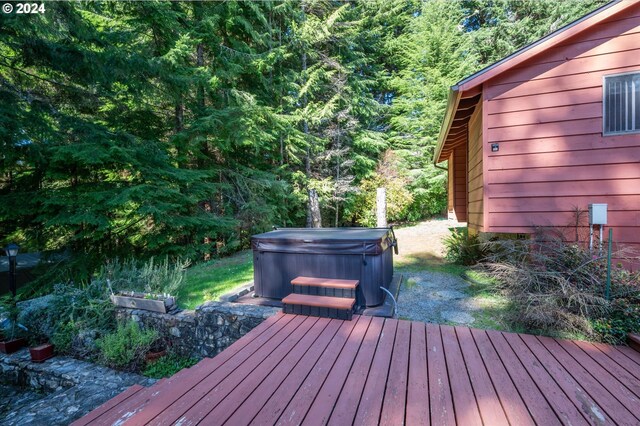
(12,252)
(495,147)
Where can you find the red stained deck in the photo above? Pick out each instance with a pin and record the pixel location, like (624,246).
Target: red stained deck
(294,369)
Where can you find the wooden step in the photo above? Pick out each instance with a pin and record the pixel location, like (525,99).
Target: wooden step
(320,306)
(325,282)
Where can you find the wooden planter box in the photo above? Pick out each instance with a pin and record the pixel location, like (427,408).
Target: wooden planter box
(41,353)
(11,346)
(139,301)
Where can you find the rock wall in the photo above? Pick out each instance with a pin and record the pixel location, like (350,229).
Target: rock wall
(57,391)
(205,332)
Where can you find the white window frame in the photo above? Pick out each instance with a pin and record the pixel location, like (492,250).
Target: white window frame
(604,95)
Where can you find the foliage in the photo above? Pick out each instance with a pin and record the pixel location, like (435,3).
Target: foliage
(126,346)
(10,313)
(72,317)
(497,28)
(63,337)
(150,276)
(463,248)
(168,365)
(399,197)
(140,129)
(558,287)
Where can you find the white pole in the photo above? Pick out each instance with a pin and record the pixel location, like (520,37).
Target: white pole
(381,208)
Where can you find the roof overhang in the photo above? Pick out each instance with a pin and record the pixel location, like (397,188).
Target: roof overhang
(465,95)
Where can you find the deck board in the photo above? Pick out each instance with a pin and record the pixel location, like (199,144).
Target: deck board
(464,400)
(395,397)
(371,399)
(488,402)
(231,384)
(294,369)
(307,352)
(585,382)
(248,358)
(418,385)
(345,407)
(301,382)
(509,397)
(440,399)
(348,362)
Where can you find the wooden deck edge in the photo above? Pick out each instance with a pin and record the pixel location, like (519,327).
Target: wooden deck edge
(634,341)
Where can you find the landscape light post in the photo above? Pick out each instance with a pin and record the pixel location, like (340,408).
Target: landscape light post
(12,253)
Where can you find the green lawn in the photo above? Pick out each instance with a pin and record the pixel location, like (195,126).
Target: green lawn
(208,281)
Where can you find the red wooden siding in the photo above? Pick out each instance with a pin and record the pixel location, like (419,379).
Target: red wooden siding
(474,172)
(546,114)
(458,184)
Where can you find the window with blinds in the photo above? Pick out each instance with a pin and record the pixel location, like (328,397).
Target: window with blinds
(621,103)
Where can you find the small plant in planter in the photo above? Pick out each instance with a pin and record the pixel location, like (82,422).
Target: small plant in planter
(39,346)
(12,339)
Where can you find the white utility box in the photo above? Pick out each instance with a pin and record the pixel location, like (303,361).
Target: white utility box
(597,214)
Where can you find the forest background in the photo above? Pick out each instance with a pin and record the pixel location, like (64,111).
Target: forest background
(135,129)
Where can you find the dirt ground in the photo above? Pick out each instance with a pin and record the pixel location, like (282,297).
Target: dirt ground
(422,243)
(433,289)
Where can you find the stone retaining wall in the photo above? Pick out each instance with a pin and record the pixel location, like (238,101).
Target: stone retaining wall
(207,331)
(59,390)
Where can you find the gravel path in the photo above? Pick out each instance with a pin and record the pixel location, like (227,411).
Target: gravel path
(426,295)
(436,297)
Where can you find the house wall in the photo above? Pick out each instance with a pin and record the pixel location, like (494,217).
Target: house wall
(474,173)
(457,197)
(546,116)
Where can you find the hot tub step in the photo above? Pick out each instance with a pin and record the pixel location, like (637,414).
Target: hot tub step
(325,287)
(319,306)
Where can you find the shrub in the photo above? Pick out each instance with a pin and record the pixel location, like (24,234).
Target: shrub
(126,347)
(463,248)
(168,365)
(149,276)
(558,287)
(63,337)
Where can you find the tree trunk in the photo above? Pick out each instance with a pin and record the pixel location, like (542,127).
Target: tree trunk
(314,218)
(381,208)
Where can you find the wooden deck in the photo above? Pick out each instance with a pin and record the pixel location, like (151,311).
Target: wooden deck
(295,369)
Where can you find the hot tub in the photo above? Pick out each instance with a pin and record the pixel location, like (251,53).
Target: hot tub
(363,254)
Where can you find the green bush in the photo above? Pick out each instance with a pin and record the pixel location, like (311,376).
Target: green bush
(126,347)
(464,249)
(168,365)
(63,337)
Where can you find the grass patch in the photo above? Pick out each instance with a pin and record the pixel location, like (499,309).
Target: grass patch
(208,281)
(168,365)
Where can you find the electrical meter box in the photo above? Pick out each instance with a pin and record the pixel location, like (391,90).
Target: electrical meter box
(597,214)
